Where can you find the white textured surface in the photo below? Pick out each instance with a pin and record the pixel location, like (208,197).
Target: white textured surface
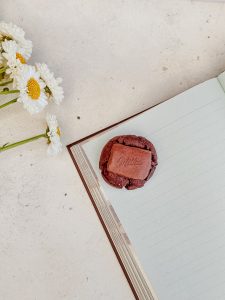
(116,58)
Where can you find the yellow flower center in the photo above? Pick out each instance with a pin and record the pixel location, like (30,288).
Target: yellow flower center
(58,131)
(33,89)
(21,58)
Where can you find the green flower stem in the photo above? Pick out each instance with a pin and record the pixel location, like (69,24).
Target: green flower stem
(6,82)
(2,70)
(10,146)
(9,92)
(8,103)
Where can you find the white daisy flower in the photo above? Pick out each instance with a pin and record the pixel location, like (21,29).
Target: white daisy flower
(13,48)
(53,89)
(14,56)
(9,31)
(53,133)
(31,89)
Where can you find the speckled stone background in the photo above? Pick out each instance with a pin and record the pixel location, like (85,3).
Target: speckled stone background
(117,57)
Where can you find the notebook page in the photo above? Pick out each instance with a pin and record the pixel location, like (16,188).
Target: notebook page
(176,223)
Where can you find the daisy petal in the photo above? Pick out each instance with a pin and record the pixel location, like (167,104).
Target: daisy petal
(55,145)
(53,88)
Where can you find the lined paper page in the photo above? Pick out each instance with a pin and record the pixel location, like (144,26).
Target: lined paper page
(176,223)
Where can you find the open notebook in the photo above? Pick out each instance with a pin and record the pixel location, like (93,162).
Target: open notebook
(169,236)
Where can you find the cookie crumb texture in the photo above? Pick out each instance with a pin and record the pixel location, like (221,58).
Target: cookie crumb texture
(120,181)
